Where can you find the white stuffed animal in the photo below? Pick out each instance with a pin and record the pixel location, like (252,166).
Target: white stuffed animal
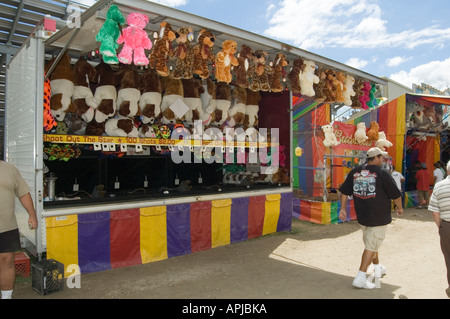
(382,142)
(360,133)
(349,92)
(308,78)
(330,138)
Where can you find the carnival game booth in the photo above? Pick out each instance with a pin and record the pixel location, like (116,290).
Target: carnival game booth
(325,151)
(415,125)
(147,133)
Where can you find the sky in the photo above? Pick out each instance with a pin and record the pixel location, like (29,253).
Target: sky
(407,41)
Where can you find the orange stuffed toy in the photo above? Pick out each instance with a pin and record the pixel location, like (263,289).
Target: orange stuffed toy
(225,59)
(372,133)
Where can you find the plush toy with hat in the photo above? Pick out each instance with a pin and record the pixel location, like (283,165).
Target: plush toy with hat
(135,40)
(259,72)
(294,75)
(105,93)
(109,34)
(225,60)
(278,74)
(151,96)
(308,78)
(84,103)
(128,94)
(184,54)
(244,57)
(62,86)
(203,53)
(162,49)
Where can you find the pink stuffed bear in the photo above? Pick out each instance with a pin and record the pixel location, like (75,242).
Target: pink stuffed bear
(365,97)
(135,39)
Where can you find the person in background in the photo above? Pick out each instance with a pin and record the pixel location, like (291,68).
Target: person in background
(12,185)
(423,186)
(440,207)
(372,188)
(438,174)
(412,170)
(399,179)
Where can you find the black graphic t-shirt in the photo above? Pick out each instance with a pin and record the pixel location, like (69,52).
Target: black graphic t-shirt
(372,188)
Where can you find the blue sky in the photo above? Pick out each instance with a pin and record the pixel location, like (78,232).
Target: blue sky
(407,41)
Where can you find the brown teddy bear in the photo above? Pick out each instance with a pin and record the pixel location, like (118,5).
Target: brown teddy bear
(62,87)
(332,85)
(162,49)
(223,102)
(105,93)
(225,60)
(203,53)
(278,73)
(259,72)
(173,92)
(294,75)
(84,103)
(129,93)
(340,87)
(358,87)
(192,89)
(151,96)
(372,133)
(245,58)
(237,111)
(321,87)
(184,54)
(252,108)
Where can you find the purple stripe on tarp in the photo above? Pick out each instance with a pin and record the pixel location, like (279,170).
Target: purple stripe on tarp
(286,211)
(94,253)
(239,219)
(178,230)
(296,208)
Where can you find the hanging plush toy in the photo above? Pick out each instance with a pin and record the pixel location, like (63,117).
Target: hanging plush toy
(244,62)
(203,53)
(278,73)
(294,75)
(151,96)
(105,93)
(49,120)
(330,138)
(162,49)
(109,34)
(308,78)
(135,40)
(259,72)
(128,94)
(184,54)
(84,103)
(349,92)
(225,60)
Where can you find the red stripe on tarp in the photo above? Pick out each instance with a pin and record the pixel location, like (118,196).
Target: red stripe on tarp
(200,226)
(125,238)
(256,212)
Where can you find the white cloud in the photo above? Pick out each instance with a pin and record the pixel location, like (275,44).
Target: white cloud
(343,23)
(435,73)
(357,63)
(396,61)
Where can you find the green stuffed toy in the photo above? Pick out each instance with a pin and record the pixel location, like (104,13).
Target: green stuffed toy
(109,33)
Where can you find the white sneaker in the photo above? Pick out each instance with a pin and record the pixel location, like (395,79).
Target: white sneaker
(381,269)
(363,283)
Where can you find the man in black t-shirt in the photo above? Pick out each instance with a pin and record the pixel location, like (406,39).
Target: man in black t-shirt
(372,188)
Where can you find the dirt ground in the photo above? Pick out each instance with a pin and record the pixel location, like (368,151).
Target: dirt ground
(310,262)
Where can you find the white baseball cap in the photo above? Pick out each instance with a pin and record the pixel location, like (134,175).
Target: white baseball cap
(375,151)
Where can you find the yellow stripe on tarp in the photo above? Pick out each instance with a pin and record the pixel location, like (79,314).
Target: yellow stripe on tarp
(153,233)
(220,222)
(62,240)
(326,213)
(272,213)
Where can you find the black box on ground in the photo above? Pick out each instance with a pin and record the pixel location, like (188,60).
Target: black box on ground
(47,276)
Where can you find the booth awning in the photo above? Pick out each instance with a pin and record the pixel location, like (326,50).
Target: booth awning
(428,100)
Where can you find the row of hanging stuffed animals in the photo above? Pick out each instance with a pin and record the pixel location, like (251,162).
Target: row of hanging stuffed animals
(248,69)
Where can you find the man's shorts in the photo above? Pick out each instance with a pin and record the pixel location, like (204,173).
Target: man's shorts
(373,237)
(9,241)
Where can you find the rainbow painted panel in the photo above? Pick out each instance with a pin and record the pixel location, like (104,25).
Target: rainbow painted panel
(321,212)
(106,240)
